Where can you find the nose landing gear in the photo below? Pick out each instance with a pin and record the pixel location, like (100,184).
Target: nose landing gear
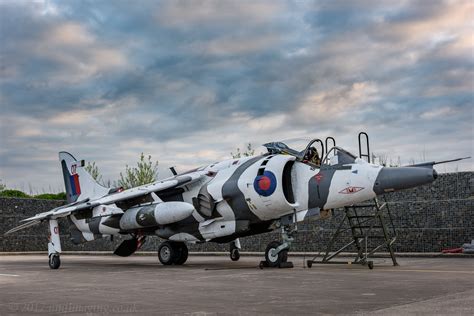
(273,257)
(276,253)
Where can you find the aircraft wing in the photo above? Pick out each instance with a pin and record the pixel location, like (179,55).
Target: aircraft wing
(66,210)
(23,226)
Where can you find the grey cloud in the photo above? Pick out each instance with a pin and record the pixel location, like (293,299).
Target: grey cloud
(199,82)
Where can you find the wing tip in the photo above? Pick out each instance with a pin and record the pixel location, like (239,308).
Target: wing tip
(22,226)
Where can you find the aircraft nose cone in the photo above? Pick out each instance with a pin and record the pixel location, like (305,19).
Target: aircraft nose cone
(399,178)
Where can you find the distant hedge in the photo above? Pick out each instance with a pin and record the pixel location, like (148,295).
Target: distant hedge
(45,196)
(51,196)
(14,193)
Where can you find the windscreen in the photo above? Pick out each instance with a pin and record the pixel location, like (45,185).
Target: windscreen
(339,156)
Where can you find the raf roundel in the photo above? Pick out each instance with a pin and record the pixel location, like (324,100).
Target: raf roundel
(265,184)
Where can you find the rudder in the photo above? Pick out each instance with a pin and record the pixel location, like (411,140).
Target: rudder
(78,182)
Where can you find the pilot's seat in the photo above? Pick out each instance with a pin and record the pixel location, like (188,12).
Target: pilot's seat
(312,156)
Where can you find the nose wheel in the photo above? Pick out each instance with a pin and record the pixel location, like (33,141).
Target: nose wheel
(274,257)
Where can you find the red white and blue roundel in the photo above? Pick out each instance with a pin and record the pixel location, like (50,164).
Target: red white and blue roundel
(265,184)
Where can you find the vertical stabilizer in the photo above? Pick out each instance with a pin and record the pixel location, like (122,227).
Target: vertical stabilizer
(78,182)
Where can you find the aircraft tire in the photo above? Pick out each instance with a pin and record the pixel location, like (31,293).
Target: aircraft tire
(166,253)
(181,253)
(234,254)
(284,255)
(274,261)
(370,264)
(54,261)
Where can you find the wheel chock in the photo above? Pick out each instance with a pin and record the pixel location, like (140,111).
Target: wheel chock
(281,265)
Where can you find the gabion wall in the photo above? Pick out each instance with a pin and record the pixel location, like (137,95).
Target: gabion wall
(427,219)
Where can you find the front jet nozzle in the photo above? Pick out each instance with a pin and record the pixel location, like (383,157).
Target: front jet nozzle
(399,178)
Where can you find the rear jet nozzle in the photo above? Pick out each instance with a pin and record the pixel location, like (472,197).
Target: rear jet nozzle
(399,178)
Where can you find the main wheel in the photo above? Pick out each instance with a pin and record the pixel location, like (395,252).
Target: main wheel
(166,253)
(181,253)
(272,259)
(54,261)
(234,254)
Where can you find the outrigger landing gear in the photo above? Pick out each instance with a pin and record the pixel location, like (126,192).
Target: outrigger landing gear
(54,245)
(276,254)
(234,250)
(173,252)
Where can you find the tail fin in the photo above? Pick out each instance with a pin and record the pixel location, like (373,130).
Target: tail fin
(78,182)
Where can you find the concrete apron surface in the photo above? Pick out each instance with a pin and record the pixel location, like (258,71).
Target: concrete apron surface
(214,285)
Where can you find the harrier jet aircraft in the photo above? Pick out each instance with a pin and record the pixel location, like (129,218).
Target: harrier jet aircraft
(221,202)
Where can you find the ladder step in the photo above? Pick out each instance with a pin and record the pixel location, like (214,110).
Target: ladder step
(369,237)
(363,205)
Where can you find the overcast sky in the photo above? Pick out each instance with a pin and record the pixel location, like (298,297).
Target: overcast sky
(189,81)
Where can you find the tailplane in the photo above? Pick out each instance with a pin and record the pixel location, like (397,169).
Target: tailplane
(78,182)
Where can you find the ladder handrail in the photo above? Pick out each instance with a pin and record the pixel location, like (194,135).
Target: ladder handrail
(326,143)
(367,155)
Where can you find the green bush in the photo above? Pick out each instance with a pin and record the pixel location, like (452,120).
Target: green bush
(44,196)
(145,172)
(14,193)
(51,196)
(61,196)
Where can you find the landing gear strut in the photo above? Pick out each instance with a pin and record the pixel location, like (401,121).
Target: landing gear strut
(173,252)
(276,254)
(234,250)
(54,245)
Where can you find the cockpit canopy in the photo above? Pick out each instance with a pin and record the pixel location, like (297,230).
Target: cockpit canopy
(307,152)
(282,148)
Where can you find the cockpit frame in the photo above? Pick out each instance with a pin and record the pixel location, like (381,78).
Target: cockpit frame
(282,148)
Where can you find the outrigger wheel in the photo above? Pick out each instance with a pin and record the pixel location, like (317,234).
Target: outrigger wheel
(234,252)
(370,264)
(54,261)
(171,252)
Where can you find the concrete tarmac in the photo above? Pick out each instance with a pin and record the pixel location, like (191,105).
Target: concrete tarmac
(214,285)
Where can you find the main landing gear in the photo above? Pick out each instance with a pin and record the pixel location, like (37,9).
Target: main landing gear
(173,252)
(234,250)
(276,254)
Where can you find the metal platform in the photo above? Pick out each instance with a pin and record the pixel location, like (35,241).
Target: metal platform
(372,229)
(370,224)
